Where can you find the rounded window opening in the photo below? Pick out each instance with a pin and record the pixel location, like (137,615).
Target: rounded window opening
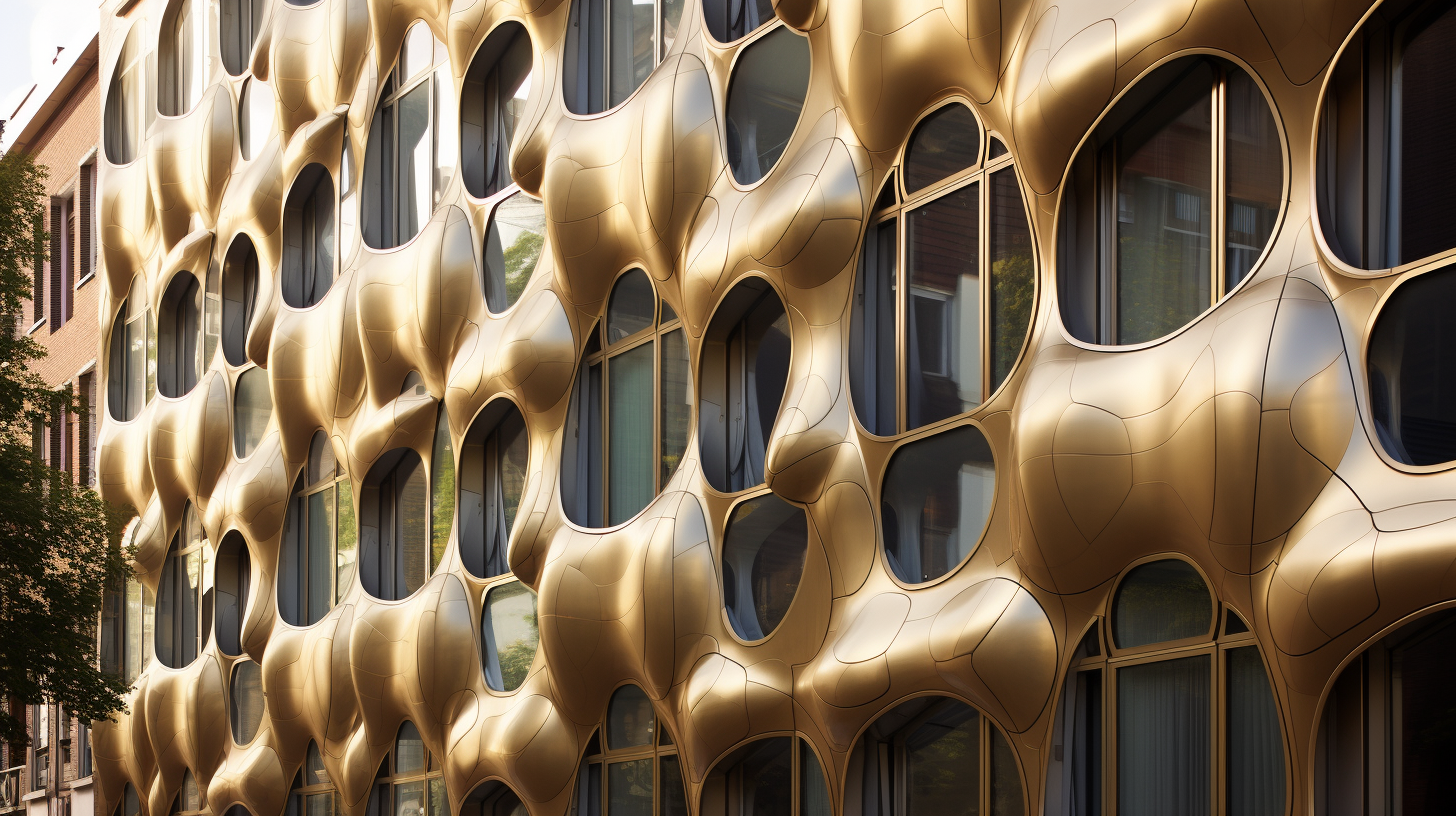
(1161,601)
(320,538)
(1411,363)
(767,776)
(245,701)
(492,104)
(764,549)
(765,96)
(626,433)
(731,20)
(308,238)
(232,580)
(631,763)
(401,176)
(935,755)
(935,502)
(183,612)
(495,798)
(128,621)
(743,373)
(1384,170)
(239,298)
(182,58)
(493,467)
(513,246)
(132,374)
(252,410)
(180,342)
(944,143)
(612,47)
(255,117)
(124,114)
(239,22)
(313,789)
(410,781)
(189,799)
(130,804)
(1150,236)
(509,635)
(400,544)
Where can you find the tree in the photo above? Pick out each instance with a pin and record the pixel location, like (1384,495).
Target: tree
(57,538)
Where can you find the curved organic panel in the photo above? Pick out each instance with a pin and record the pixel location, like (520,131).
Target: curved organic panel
(832,403)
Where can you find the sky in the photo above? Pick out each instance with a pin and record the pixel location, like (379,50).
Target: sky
(28,38)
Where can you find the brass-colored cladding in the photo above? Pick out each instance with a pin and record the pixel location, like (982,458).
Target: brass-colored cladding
(1240,442)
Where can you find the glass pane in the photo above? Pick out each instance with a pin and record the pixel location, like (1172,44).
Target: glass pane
(413,530)
(439,799)
(632,308)
(630,718)
(633,48)
(1161,601)
(319,804)
(671,17)
(944,143)
(1006,798)
(762,779)
(512,247)
(348,540)
(1255,752)
(320,554)
(765,96)
(252,408)
(942,764)
(130,804)
(1013,276)
(763,559)
(672,801)
(1254,168)
(1422,670)
(418,52)
(247,701)
(314,772)
(190,799)
(936,498)
(134,644)
(676,402)
(212,318)
(321,462)
(409,750)
(629,435)
(442,489)
(409,799)
(943,335)
(1164,181)
(1412,370)
(629,788)
(872,332)
(136,367)
(257,108)
(813,789)
(415,166)
(512,635)
(745,375)
(1427,107)
(1163,738)
(730,20)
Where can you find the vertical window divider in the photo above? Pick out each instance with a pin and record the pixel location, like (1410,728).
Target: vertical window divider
(983,273)
(1218,205)
(902,340)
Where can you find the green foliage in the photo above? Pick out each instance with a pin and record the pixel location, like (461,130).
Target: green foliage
(516,659)
(520,258)
(58,540)
(1013,293)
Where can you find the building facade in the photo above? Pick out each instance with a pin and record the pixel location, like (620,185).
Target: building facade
(801,407)
(59,125)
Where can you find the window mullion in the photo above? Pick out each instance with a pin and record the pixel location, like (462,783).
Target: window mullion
(1217,200)
(983,272)
(901,352)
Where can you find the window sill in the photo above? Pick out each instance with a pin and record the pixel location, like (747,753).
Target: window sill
(83,782)
(82,282)
(36,326)
(33,795)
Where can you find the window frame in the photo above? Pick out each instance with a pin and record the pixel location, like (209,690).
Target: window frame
(655,750)
(232,702)
(302,790)
(179,550)
(387,782)
(393,90)
(741,47)
(176,63)
(492,116)
(120,376)
(298,501)
(492,205)
(308,220)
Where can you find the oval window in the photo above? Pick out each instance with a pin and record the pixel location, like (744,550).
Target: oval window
(509,628)
(935,501)
(1161,601)
(252,410)
(765,96)
(513,245)
(246,701)
(1411,363)
(763,559)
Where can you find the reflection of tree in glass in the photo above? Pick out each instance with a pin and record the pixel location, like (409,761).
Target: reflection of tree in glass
(516,658)
(1012,292)
(942,765)
(520,258)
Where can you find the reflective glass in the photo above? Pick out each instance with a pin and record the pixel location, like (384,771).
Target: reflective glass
(412,546)
(314,771)
(935,501)
(320,553)
(512,635)
(247,701)
(629,435)
(632,43)
(943,144)
(1160,601)
(409,799)
(632,308)
(672,801)
(255,110)
(1006,796)
(762,778)
(348,539)
(416,169)
(942,761)
(676,402)
(1422,665)
(763,560)
(1163,738)
(513,246)
(252,408)
(1412,370)
(765,95)
(1427,107)
(442,489)
(630,718)
(872,332)
(409,750)
(1013,276)
(417,54)
(943,313)
(1254,172)
(813,789)
(730,20)
(1254,754)
(671,17)
(629,788)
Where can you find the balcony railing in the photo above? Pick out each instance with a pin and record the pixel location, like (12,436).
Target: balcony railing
(12,785)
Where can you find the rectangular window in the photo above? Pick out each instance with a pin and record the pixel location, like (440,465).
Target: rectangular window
(62,234)
(1163,737)
(40,725)
(86,243)
(86,430)
(943,315)
(38,275)
(629,434)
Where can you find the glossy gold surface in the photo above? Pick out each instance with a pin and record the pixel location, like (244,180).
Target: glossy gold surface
(1241,442)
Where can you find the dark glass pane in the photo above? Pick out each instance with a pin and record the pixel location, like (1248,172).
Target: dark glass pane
(409,750)
(247,701)
(943,338)
(995,149)
(759,779)
(320,554)
(511,635)
(936,498)
(813,789)
(672,800)
(763,559)
(730,20)
(1164,193)
(1254,175)
(1006,797)
(321,462)
(506,455)
(1412,369)
(513,245)
(1233,624)
(676,402)
(872,332)
(1161,601)
(765,96)
(252,408)
(1013,276)
(1163,738)
(583,79)
(629,434)
(1254,757)
(745,367)
(943,144)
(629,787)
(630,719)
(1422,669)
(415,163)
(632,308)
(633,50)
(413,531)
(1427,106)
(942,764)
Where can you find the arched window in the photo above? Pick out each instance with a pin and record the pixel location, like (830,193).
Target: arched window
(767,776)
(933,755)
(743,372)
(400,540)
(966,309)
(180,348)
(125,105)
(255,117)
(127,618)
(631,764)
(238,24)
(493,464)
(763,559)
(935,501)
(1384,170)
(252,410)
(400,178)
(491,106)
(132,374)
(1412,369)
(320,539)
(308,238)
(442,488)
(183,58)
(730,20)
(183,619)
(765,96)
(245,701)
(232,579)
(612,47)
(494,798)
(410,782)
(314,792)
(239,298)
(189,799)
(628,424)
(1385,736)
(1169,687)
(130,804)
(1169,203)
(513,245)
(509,635)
